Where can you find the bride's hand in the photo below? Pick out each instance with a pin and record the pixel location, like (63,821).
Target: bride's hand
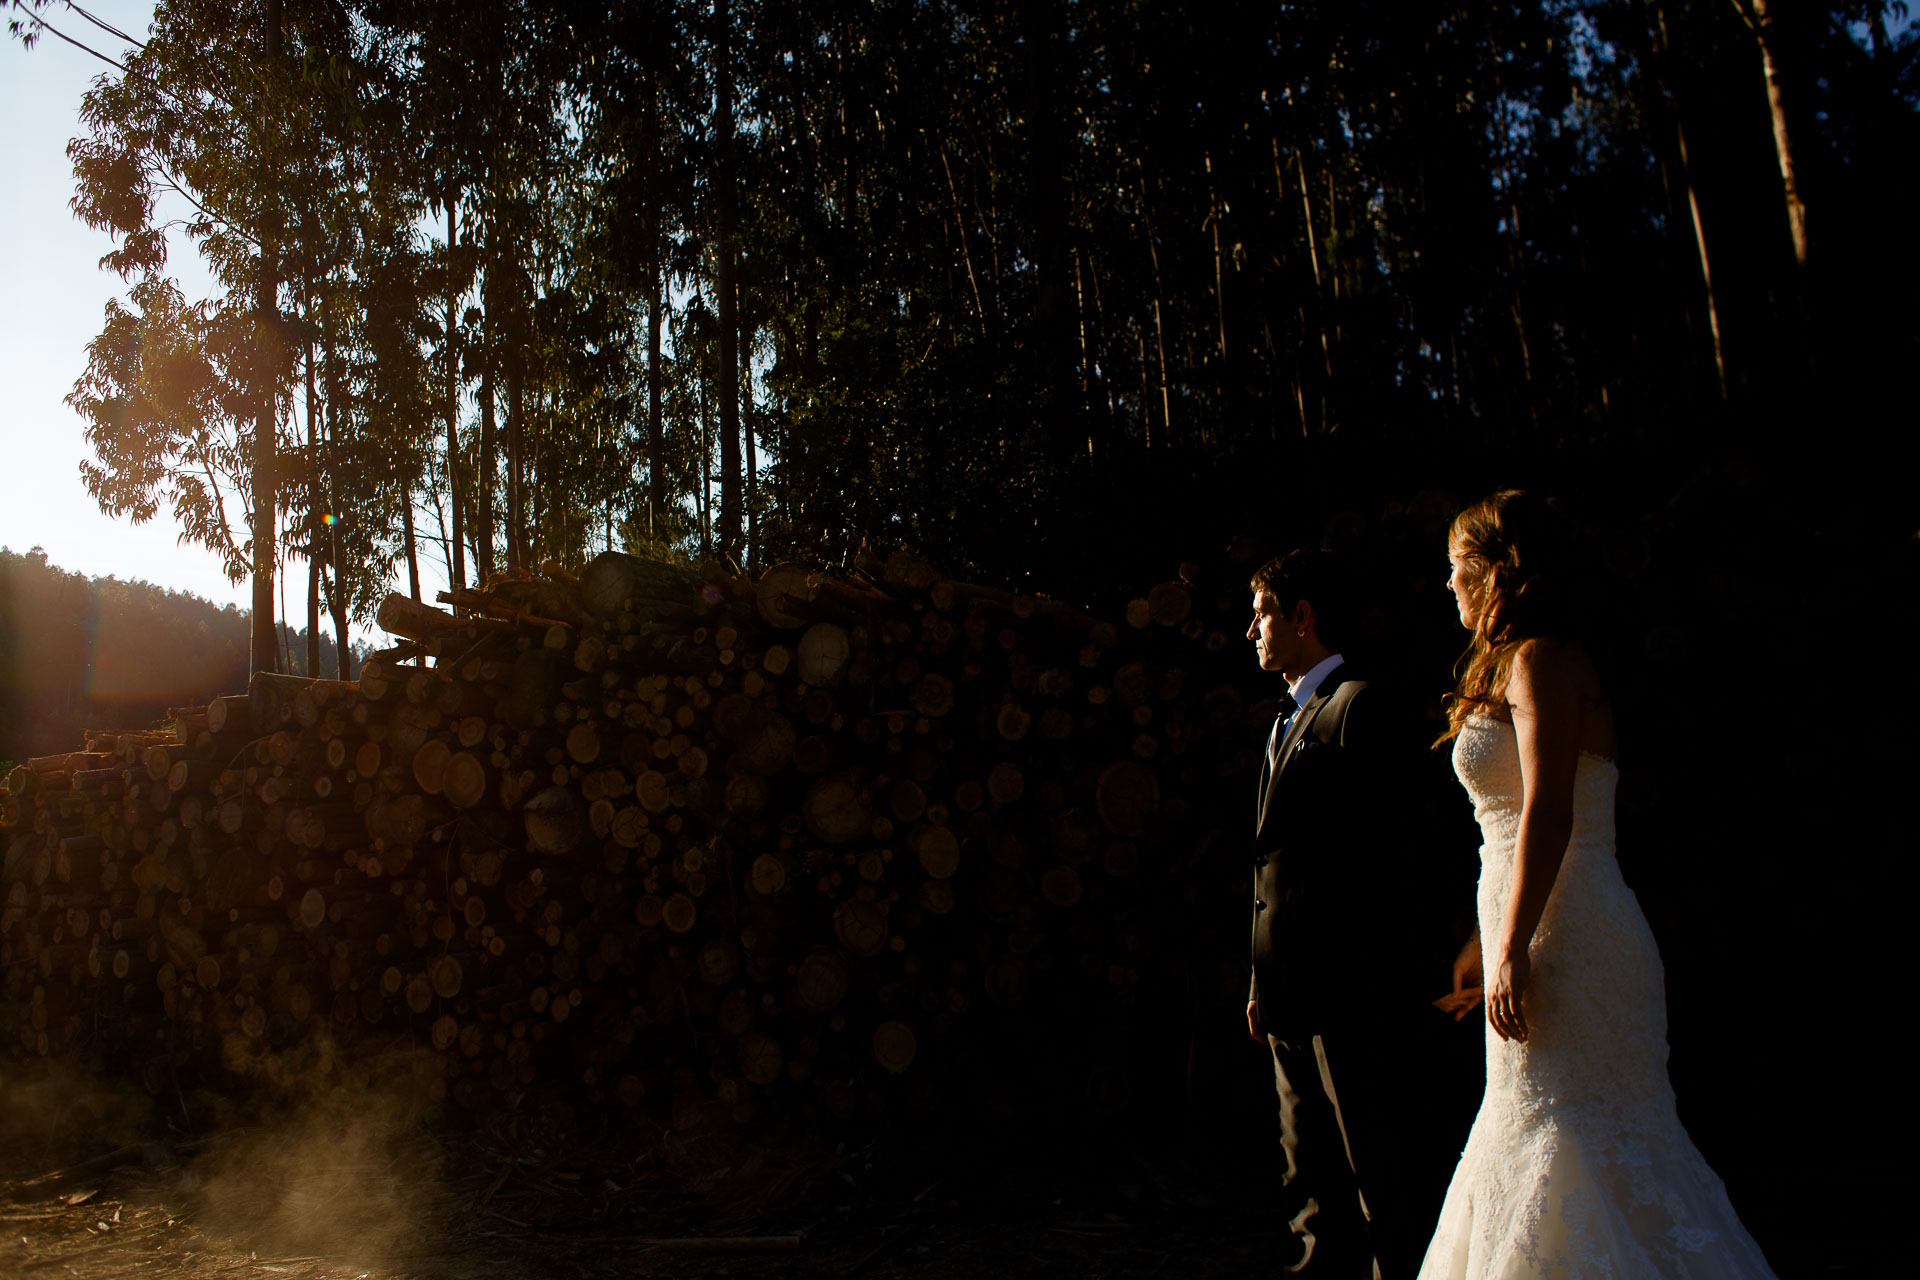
(1505,987)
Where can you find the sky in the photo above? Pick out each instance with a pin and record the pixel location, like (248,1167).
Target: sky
(53,296)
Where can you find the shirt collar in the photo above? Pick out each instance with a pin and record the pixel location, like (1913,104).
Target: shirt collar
(1307,685)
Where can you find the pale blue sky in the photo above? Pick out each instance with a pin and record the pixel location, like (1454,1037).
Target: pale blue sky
(52,300)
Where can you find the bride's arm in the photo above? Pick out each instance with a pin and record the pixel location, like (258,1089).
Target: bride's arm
(1544,693)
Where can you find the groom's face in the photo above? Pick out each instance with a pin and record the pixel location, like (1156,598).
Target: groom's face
(1276,638)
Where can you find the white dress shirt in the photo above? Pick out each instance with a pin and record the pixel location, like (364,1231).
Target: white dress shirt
(1301,691)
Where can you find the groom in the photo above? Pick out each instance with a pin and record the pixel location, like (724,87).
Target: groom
(1346,939)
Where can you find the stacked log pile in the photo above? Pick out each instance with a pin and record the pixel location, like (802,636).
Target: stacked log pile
(806,848)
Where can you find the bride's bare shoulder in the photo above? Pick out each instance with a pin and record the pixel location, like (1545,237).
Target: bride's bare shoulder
(1549,668)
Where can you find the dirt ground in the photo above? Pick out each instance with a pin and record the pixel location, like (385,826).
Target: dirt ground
(480,1208)
(353,1192)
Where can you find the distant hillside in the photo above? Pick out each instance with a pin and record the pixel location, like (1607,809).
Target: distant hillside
(79,653)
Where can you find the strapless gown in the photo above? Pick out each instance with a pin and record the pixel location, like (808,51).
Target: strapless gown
(1577,1166)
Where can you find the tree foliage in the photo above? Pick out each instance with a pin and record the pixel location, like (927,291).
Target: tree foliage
(1020,285)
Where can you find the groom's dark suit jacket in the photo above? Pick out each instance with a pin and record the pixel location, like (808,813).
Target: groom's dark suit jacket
(1338,928)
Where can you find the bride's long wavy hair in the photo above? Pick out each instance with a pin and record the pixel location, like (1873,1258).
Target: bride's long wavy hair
(1519,547)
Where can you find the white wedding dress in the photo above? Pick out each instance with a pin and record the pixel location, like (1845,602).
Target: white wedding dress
(1577,1165)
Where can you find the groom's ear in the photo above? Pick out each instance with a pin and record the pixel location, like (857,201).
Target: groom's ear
(1305,619)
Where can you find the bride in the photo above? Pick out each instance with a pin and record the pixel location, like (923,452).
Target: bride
(1577,1165)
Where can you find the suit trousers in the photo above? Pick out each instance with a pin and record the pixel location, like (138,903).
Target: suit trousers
(1369,1136)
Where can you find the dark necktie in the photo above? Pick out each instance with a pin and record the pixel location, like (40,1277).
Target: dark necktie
(1281,723)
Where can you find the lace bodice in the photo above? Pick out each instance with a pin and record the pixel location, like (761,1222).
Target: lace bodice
(1592,939)
(1578,1165)
(1486,757)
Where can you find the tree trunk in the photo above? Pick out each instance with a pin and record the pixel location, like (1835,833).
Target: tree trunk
(266,305)
(1706,267)
(458,551)
(1214,214)
(313,606)
(483,536)
(1663,49)
(336,589)
(1052,323)
(337,605)
(1761,23)
(753,461)
(1146,386)
(406,529)
(516,411)
(656,304)
(705,410)
(656,433)
(1877,25)
(960,229)
(1103,347)
(729,391)
(1313,241)
(313,519)
(448,545)
(1085,363)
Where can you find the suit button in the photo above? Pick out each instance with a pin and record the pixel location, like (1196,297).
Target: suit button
(1259,905)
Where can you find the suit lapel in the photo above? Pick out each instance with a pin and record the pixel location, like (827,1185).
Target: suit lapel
(1296,731)
(1266,779)
(1303,722)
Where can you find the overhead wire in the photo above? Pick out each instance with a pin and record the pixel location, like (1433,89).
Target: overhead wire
(107,27)
(84,48)
(173,181)
(121,66)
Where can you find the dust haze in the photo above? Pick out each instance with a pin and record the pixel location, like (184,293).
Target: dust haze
(333,1158)
(315,1154)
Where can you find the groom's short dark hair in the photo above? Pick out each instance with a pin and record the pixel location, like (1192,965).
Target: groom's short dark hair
(1321,579)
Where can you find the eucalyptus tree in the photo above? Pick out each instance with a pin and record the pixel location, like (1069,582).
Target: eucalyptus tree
(639,105)
(489,126)
(198,111)
(1017,268)
(299,191)
(205,112)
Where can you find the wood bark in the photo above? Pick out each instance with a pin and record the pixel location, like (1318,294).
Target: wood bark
(1662,64)
(1760,22)
(313,523)
(456,490)
(266,423)
(651,227)
(516,451)
(726,286)
(750,558)
(483,536)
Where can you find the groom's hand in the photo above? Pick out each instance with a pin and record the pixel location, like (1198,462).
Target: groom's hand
(1460,1003)
(1468,978)
(1467,966)
(1253,1022)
